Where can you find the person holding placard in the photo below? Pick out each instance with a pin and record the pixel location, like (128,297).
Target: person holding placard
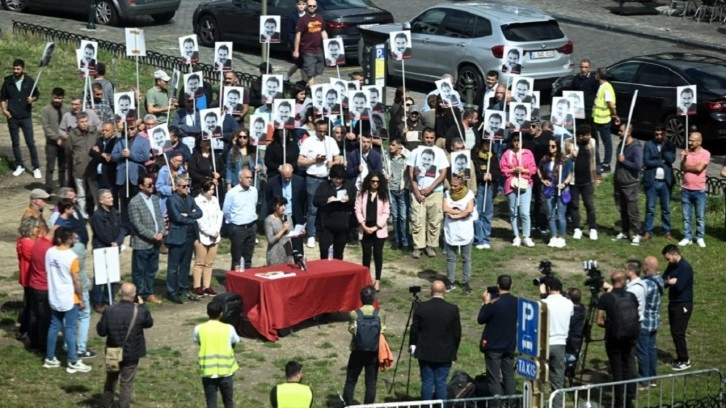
(626,186)
(16,102)
(486,168)
(132,154)
(107,232)
(158,102)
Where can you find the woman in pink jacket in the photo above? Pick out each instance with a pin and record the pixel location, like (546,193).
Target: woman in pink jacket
(518,166)
(372,210)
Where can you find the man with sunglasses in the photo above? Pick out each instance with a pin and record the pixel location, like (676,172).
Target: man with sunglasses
(309,35)
(147,232)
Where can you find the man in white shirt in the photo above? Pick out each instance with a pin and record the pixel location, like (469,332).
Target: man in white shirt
(635,285)
(559,311)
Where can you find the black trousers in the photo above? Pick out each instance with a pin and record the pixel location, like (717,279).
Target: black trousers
(124,200)
(337,239)
(678,315)
(242,240)
(621,355)
(538,210)
(225,385)
(358,361)
(587,192)
(54,153)
(626,198)
(40,321)
(372,245)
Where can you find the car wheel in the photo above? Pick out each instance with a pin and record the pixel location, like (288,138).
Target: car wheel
(675,130)
(15,5)
(106,14)
(163,17)
(469,72)
(208,31)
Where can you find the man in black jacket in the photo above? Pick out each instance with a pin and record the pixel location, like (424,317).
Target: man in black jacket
(434,341)
(108,231)
(17,105)
(499,338)
(586,82)
(115,323)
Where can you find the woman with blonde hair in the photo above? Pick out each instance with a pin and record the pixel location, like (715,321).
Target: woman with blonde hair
(29,231)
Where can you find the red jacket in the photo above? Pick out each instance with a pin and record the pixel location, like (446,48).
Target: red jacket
(38,275)
(24,247)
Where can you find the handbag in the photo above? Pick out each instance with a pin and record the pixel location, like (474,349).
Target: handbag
(519,183)
(566,196)
(115,355)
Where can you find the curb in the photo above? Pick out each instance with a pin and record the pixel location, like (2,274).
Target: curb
(627,30)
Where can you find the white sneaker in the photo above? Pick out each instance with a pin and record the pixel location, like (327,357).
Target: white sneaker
(18,171)
(528,242)
(577,234)
(37,175)
(685,242)
(483,246)
(516,242)
(701,243)
(311,242)
(561,243)
(54,363)
(553,242)
(78,367)
(636,240)
(593,234)
(620,236)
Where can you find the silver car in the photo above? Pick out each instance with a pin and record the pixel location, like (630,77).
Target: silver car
(468,39)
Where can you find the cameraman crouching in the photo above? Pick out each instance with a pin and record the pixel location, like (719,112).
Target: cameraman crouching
(499,338)
(559,310)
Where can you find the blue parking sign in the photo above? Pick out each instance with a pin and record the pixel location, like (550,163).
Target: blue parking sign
(528,322)
(527,368)
(380,51)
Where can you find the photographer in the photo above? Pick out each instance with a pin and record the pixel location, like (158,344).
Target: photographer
(560,311)
(499,338)
(577,324)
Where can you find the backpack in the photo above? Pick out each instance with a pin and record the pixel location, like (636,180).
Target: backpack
(368,331)
(625,319)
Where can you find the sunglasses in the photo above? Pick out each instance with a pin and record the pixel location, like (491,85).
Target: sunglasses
(243,137)
(312,6)
(375,181)
(553,146)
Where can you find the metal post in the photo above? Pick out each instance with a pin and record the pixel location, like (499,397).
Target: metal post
(468,93)
(91,25)
(265,49)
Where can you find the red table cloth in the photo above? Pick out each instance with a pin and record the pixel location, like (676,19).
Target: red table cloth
(270,304)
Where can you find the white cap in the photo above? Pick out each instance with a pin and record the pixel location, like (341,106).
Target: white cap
(161,75)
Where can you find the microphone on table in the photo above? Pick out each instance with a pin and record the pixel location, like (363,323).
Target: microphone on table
(299,259)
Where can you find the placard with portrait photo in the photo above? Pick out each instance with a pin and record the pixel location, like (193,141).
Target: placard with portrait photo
(520,117)
(193,85)
(460,164)
(233,100)
(223,56)
(522,89)
(332,100)
(174,83)
(494,121)
(334,52)
(686,100)
(283,113)
(375,97)
(270,29)
(561,114)
(189,49)
(124,106)
(358,108)
(535,105)
(378,125)
(318,97)
(88,55)
(159,139)
(271,88)
(400,45)
(577,103)
(211,123)
(341,87)
(47,54)
(512,60)
(258,129)
(446,91)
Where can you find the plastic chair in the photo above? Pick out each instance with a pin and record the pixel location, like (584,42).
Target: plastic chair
(712,8)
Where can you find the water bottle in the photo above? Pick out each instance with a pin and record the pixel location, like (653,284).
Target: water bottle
(242,264)
(330,253)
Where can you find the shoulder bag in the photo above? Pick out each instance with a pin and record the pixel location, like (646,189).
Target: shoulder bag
(115,355)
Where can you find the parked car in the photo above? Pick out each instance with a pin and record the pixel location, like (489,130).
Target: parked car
(237,20)
(108,12)
(656,78)
(468,39)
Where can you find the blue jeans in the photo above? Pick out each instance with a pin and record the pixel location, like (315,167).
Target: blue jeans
(607,141)
(14,126)
(66,320)
(688,199)
(647,354)
(179,265)
(433,375)
(658,191)
(520,212)
(400,208)
(84,322)
(557,216)
(311,186)
(144,264)
(483,226)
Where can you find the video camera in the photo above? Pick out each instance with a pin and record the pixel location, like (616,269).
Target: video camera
(594,279)
(545,268)
(414,290)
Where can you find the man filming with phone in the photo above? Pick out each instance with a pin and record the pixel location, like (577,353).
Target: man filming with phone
(499,338)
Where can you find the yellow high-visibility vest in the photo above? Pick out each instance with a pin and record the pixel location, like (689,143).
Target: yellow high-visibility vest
(294,395)
(216,356)
(600,110)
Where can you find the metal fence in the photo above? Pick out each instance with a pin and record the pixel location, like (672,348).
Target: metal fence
(699,388)
(152,58)
(520,401)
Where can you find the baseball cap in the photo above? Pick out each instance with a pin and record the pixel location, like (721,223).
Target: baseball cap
(39,193)
(413,109)
(161,75)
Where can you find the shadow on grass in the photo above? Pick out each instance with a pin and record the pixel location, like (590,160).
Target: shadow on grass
(93,400)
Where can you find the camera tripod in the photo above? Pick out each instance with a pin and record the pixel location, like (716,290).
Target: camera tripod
(414,304)
(586,339)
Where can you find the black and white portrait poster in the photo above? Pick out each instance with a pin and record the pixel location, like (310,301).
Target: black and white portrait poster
(233,98)
(446,91)
(124,106)
(283,113)
(512,61)
(426,164)
(562,112)
(493,124)
(378,125)
(193,86)
(47,54)
(135,42)
(535,105)
(174,83)
(375,97)
(258,129)
(400,45)
(223,56)
(460,164)
(270,29)
(334,52)
(522,88)
(271,88)
(520,116)
(159,139)
(577,103)
(189,49)
(318,97)
(87,62)
(686,100)
(331,100)
(212,127)
(358,107)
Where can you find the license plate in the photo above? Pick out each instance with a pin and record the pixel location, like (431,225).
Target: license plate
(541,54)
(364,26)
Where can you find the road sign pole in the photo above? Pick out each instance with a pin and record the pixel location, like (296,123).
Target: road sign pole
(533,342)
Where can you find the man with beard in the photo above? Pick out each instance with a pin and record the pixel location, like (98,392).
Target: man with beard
(284,116)
(308,45)
(586,82)
(586,178)
(191,55)
(100,107)
(50,118)
(222,61)
(270,33)
(132,154)
(211,130)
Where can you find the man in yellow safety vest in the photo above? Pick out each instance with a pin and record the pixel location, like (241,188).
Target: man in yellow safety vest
(603,113)
(292,394)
